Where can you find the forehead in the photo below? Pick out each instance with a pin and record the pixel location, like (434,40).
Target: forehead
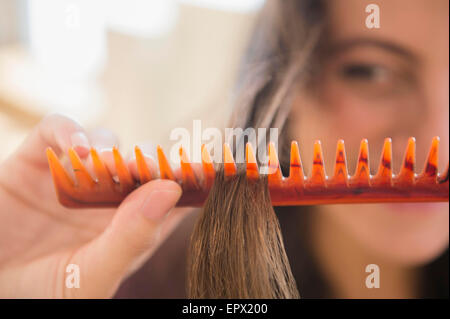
(415,24)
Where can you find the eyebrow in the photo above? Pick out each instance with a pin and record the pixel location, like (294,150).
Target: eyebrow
(364,42)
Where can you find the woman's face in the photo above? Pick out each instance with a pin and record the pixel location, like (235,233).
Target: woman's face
(377,83)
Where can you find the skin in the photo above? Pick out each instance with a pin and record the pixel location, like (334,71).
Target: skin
(39,238)
(402,92)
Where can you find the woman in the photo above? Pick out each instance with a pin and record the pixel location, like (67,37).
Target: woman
(316,71)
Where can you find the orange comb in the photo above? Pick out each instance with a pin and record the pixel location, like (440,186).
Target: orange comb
(105,191)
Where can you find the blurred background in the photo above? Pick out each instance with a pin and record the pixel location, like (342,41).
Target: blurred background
(138,67)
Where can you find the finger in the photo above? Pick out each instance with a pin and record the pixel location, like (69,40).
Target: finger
(103,138)
(133,232)
(58,132)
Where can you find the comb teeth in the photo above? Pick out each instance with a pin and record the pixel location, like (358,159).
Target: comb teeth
(406,177)
(165,170)
(229,165)
(296,175)
(296,189)
(384,175)
(187,173)
(430,170)
(340,177)
(143,170)
(361,179)
(318,177)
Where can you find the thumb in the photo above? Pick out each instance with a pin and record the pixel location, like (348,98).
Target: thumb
(133,232)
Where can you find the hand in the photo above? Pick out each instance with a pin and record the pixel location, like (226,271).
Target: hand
(39,238)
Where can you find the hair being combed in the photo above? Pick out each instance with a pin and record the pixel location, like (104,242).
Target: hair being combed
(237,250)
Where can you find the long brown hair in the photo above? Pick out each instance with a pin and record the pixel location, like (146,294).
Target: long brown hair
(237,249)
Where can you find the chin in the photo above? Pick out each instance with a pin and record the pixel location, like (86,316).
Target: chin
(407,234)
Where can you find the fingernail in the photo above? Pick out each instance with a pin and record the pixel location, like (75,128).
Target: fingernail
(159,203)
(79,140)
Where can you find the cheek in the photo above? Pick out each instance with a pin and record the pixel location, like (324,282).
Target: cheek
(339,114)
(311,121)
(308,122)
(408,237)
(372,118)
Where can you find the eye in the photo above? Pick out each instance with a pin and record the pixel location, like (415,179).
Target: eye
(373,80)
(364,72)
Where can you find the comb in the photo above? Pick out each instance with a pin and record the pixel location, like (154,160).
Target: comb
(296,189)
